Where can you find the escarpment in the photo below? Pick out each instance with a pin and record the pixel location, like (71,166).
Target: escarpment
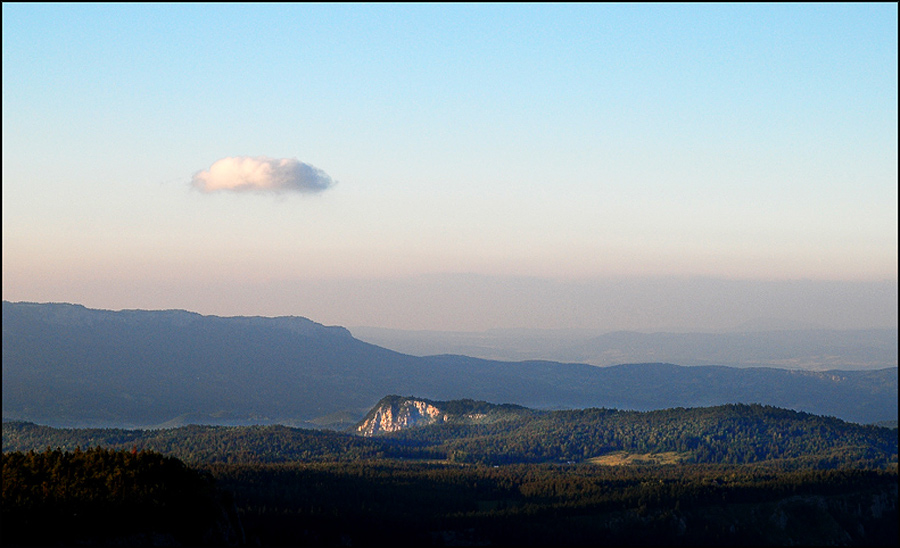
(394,413)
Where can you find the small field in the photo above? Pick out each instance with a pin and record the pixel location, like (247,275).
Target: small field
(624,458)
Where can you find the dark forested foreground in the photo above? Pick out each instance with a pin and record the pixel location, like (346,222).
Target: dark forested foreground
(100,497)
(729,475)
(416,504)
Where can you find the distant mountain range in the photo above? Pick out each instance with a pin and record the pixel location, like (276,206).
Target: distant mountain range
(756,344)
(67,365)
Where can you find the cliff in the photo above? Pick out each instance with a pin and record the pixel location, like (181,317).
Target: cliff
(394,413)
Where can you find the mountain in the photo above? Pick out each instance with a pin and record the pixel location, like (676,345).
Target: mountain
(68,365)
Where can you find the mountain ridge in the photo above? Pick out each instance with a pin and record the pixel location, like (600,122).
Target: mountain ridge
(818,349)
(68,365)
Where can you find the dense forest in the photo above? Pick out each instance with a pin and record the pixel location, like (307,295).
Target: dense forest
(419,504)
(732,434)
(724,434)
(102,496)
(120,497)
(727,475)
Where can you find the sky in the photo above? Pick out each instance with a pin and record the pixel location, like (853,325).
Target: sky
(455,166)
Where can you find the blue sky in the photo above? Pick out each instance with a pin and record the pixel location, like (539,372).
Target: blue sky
(513,145)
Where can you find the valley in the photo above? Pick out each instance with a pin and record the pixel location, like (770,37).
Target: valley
(412,275)
(67,365)
(298,433)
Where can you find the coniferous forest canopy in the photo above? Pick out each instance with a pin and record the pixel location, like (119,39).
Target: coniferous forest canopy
(728,475)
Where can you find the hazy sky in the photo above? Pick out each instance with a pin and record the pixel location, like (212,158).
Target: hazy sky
(455,166)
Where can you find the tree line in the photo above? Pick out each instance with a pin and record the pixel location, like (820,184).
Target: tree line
(729,434)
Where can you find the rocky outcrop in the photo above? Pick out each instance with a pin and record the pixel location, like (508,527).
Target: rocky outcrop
(394,413)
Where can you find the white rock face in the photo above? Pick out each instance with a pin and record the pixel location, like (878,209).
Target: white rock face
(393,417)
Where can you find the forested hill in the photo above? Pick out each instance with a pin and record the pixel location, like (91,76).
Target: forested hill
(723,434)
(735,434)
(67,365)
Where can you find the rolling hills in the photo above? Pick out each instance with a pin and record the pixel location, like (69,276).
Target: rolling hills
(468,472)
(67,365)
(469,431)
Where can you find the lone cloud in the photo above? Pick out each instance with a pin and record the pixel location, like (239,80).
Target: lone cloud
(261,174)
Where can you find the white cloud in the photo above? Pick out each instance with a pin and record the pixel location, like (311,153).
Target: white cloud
(261,174)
